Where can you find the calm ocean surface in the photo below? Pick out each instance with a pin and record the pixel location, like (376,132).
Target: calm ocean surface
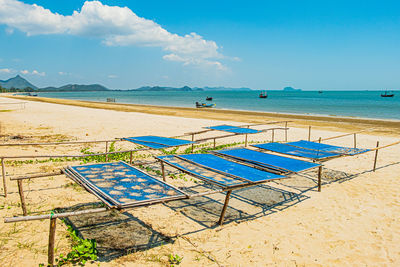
(366,104)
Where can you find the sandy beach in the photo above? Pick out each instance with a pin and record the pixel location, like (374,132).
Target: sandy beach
(352,222)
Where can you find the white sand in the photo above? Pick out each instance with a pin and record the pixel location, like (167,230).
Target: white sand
(354,222)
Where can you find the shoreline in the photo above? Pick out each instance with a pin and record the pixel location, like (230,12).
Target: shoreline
(390,127)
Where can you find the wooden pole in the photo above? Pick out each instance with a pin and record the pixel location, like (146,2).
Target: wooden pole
(214,142)
(106,151)
(273,135)
(319,178)
(221,218)
(309,133)
(245,140)
(355,140)
(22,197)
(3,172)
(52,235)
(319,140)
(376,155)
(192,143)
(131,157)
(285,131)
(163,171)
(52,216)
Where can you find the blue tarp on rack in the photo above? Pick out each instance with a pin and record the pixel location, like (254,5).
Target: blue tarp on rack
(233,129)
(296,151)
(230,168)
(157,142)
(201,173)
(328,148)
(268,160)
(122,184)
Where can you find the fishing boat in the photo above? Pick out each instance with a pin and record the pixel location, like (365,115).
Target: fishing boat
(387,95)
(209,98)
(263,94)
(319,92)
(204,105)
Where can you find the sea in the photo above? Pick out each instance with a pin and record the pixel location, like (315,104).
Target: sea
(361,104)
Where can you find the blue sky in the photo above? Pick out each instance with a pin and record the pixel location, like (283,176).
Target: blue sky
(329,45)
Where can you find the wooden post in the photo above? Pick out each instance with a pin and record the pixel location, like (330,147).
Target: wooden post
(245,140)
(163,171)
(52,235)
(21,195)
(309,133)
(106,151)
(376,155)
(355,140)
(214,142)
(319,178)
(319,140)
(192,143)
(221,218)
(3,172)
(285,131)
(273,135)
(130,158)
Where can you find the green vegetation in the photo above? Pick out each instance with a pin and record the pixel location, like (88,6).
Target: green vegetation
(174,259)
(83,250)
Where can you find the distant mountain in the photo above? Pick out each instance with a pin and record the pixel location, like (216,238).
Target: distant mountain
(188,89)
(221,88)
(21,84)
(17,82)
(74,87)
(160,88)
(291,89)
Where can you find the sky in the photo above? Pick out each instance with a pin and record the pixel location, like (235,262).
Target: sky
(264,45)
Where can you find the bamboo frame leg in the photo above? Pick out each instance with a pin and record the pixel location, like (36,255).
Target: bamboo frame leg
(214,143)
(52,235)
(285,131)
(376,156)
(163,171)
(22,197)
(3,172)
(309,133)
(355,140)
(131,157)
(106,151)
(221,218)
(319,178)
(319,140)
(245,140)
(273,135)
(192,143)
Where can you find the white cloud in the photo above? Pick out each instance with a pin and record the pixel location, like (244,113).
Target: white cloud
(5,70)
(34,72)
(62,73)
(115,26)
(112,76)
(9,30)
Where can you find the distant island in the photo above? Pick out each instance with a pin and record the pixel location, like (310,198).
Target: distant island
(19,84)
(291,89)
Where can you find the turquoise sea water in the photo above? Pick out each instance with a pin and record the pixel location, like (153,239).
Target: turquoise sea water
(365,104)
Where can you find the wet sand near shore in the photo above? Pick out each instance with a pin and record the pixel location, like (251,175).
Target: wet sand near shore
(390,127)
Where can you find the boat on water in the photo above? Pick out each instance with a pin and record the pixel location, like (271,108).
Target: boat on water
(320,92)
(263,94)
(387,95)
(209,98)
(204,105)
